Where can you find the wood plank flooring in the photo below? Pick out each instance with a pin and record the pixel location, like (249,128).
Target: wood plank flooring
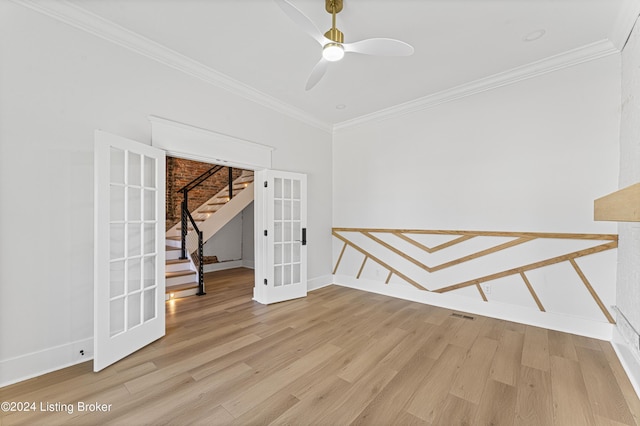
(338,357)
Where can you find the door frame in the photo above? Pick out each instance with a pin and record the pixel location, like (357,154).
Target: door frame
(194,143)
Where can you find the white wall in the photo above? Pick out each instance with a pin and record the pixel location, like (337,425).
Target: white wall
(531,156)
(58,85)
(628,288)
(233,244)
(227,242)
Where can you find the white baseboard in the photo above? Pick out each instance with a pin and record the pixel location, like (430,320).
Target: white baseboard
(319,282)
(565,323)
(248,263)
(629,361)
(221,266)
(24,367)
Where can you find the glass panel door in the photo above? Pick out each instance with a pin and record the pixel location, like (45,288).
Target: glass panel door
(129,247)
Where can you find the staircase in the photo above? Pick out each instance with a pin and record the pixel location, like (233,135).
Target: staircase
(182,274)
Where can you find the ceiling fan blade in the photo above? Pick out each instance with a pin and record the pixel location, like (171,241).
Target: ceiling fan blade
(380,47)
(301,20)
(317,73)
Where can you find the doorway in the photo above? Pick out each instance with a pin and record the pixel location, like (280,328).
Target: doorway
(220,207)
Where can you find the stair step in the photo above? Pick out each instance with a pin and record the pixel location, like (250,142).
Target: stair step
(181,287)
(175,238)
(176,261)
(171,248)
(206,211)
(217,203)
(179,273)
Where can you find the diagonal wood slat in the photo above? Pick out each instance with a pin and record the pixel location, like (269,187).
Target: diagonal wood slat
(531,266)
(518,238)
(380,262)
(592,292)
(436,248)
(533,293)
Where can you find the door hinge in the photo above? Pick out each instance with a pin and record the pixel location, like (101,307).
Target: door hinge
(265,232)
(265,281)
(266,184)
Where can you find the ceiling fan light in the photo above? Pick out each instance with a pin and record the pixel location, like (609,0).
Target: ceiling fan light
(333,52)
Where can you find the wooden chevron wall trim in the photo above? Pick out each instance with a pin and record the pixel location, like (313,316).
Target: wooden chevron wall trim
(404,255)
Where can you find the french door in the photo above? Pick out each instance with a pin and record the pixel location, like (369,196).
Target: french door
(129,260)
(281,229)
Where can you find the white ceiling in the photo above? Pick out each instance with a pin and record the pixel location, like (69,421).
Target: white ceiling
(455,41)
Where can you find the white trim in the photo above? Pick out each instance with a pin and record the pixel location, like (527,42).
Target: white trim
(34,364)
(248,263)
(195,143)
(627,16)
(76,16)
(319,282)
(566,59)
(629,361)
(564,323)
(223,266)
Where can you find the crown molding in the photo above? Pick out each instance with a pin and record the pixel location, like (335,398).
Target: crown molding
(82,19)
(69,13)
(566,59)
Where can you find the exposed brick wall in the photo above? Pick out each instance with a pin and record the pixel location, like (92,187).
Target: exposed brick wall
(179,173)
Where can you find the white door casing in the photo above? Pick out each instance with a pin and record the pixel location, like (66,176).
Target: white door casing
(281,223)
(129,255)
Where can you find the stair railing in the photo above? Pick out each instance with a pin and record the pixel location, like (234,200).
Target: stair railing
(199,259)
(187,219)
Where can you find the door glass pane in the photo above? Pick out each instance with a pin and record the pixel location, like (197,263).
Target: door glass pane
(149,270)
(277,188)
(286,234)
(277,254)
(287,253)
(149,238)
(286,210)
(134,204)
(277,232)
(295,256)
(277,276)
(134,275)
(296,274)
(133,238)
(295,210)
(116,278)
(116,240)
(116,316)
(149,204)
(277,209)
(286,275)
(149,304)
(149,172)
(297,231)
(296,189)
(117,166)
(133,310)
(116,203)
(135,169)
(286,190)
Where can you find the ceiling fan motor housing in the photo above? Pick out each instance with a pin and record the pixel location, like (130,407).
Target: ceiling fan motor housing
(335,35)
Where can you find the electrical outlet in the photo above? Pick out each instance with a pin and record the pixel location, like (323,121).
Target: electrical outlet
(486,288)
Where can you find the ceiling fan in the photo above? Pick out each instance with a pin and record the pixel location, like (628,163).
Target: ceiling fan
(332,42)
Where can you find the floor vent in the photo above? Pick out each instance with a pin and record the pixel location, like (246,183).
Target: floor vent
(467,317)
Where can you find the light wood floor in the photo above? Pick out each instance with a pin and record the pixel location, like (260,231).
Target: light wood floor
(339,357)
